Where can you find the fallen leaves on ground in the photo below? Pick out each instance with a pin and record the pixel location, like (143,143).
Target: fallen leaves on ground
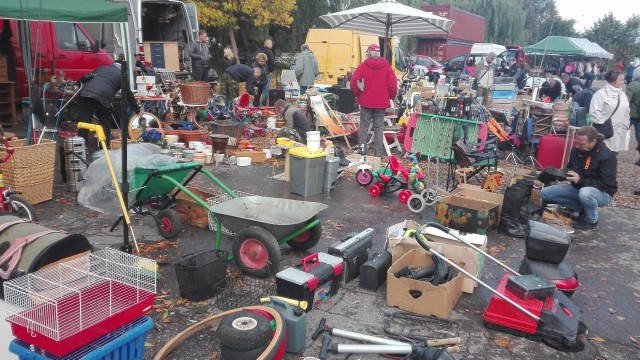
(503,342)
(598,339)
(495,250)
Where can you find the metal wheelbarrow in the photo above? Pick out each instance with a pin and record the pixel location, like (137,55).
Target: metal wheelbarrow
(262,224)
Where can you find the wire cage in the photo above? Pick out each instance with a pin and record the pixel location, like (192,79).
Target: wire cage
(219,199)
(68,305)
(239,290)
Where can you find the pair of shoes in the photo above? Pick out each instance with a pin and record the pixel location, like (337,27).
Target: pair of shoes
(557,220)
(583,225)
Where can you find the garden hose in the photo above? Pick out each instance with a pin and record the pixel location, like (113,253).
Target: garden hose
(102,138)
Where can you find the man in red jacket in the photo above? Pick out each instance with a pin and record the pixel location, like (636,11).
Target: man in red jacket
(374,83)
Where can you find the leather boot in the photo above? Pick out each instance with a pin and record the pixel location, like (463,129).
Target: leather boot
(510,218)
(527,185)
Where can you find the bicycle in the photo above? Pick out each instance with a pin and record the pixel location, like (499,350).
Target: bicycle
(9,202)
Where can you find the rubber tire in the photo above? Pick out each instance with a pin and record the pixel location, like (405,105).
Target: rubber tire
(269,244)
(364,177)
(307,239)
(429,195)
(419,186)
(227,353)
(403,196)
(248,339)
(416,203)
(375,190)
(172,218)
(27,210)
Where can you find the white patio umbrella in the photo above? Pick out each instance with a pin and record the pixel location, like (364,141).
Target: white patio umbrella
(389,18)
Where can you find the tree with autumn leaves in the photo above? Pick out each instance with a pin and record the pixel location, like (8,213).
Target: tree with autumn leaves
(243,16)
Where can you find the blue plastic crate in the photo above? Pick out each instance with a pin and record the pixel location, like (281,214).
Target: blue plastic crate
(504,94)
(124,343)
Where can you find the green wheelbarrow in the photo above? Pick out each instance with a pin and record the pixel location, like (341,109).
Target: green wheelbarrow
(259,224)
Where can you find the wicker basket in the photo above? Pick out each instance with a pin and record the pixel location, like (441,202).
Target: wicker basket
(195,93)
(196,135)
(31,169)
(117,144)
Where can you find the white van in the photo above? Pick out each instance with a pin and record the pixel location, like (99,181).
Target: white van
(486,48)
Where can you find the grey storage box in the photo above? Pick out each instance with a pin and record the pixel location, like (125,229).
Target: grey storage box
(306,171)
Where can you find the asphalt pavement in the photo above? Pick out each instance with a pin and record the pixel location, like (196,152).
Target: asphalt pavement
(605,260)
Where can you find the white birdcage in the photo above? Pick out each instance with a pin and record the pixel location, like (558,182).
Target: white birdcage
(68,305)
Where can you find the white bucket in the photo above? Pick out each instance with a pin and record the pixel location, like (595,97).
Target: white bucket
(267,153)
(171,139)
(313,135)
(271,122)
(208,156)
(243,161)
(313,145)
(218,158)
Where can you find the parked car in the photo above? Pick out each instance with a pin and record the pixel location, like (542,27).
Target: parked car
(423,63)
(454,64)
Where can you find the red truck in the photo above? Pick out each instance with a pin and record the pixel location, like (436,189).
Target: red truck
(467,30)
(56,47)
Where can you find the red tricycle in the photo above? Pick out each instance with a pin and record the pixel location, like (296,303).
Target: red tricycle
(395,177)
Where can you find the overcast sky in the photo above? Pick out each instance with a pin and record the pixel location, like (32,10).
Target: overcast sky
(587,12)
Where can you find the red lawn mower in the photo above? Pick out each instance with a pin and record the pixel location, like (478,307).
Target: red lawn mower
(524,305)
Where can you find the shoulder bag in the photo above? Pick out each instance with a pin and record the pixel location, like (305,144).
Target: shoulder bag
(474,84)
(606,128)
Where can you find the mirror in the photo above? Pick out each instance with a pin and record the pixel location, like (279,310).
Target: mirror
(148,120)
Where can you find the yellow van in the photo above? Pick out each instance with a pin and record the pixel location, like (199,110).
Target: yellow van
(341,51)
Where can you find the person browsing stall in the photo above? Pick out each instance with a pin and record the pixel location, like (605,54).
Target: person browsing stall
(592,179)
(96,96)
(306,68)
(294,119)
(551,88)
(200,56)
(610,102)
(235,74)
(484,73)
(374,84)
(572,84)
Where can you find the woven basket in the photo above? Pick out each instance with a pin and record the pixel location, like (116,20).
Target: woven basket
(196,135)
(117,144)
(195,93)
(31,169)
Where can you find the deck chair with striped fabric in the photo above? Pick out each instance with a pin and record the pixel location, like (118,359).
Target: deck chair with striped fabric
(328,120)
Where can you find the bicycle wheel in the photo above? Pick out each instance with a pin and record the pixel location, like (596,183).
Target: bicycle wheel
(22,208)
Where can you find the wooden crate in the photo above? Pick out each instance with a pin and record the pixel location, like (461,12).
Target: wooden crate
(190,211)
(256,156)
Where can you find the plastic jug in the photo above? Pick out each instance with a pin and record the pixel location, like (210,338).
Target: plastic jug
(296,321)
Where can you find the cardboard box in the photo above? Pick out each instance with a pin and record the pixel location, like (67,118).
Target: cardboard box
(190,211)
(475,192)
(432,300)
(374,161)
(465,214)
(256,156)
(444,244)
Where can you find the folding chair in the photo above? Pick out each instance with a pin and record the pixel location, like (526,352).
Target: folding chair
(481,157)
(328,120)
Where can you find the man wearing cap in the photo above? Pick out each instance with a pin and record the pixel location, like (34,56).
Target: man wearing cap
(484,76)
(374,84)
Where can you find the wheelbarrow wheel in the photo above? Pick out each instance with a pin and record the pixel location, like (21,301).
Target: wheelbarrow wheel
(256,251)
(307,239)
(169,224)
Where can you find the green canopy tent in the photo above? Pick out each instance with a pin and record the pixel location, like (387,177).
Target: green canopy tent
(96,11)
(555,45)
(83,11)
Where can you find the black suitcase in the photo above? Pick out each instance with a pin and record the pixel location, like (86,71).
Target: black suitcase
(373,273)
(354,250)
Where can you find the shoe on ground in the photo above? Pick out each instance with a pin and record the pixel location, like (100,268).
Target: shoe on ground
(637,162)
(554,219)
(582,225)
